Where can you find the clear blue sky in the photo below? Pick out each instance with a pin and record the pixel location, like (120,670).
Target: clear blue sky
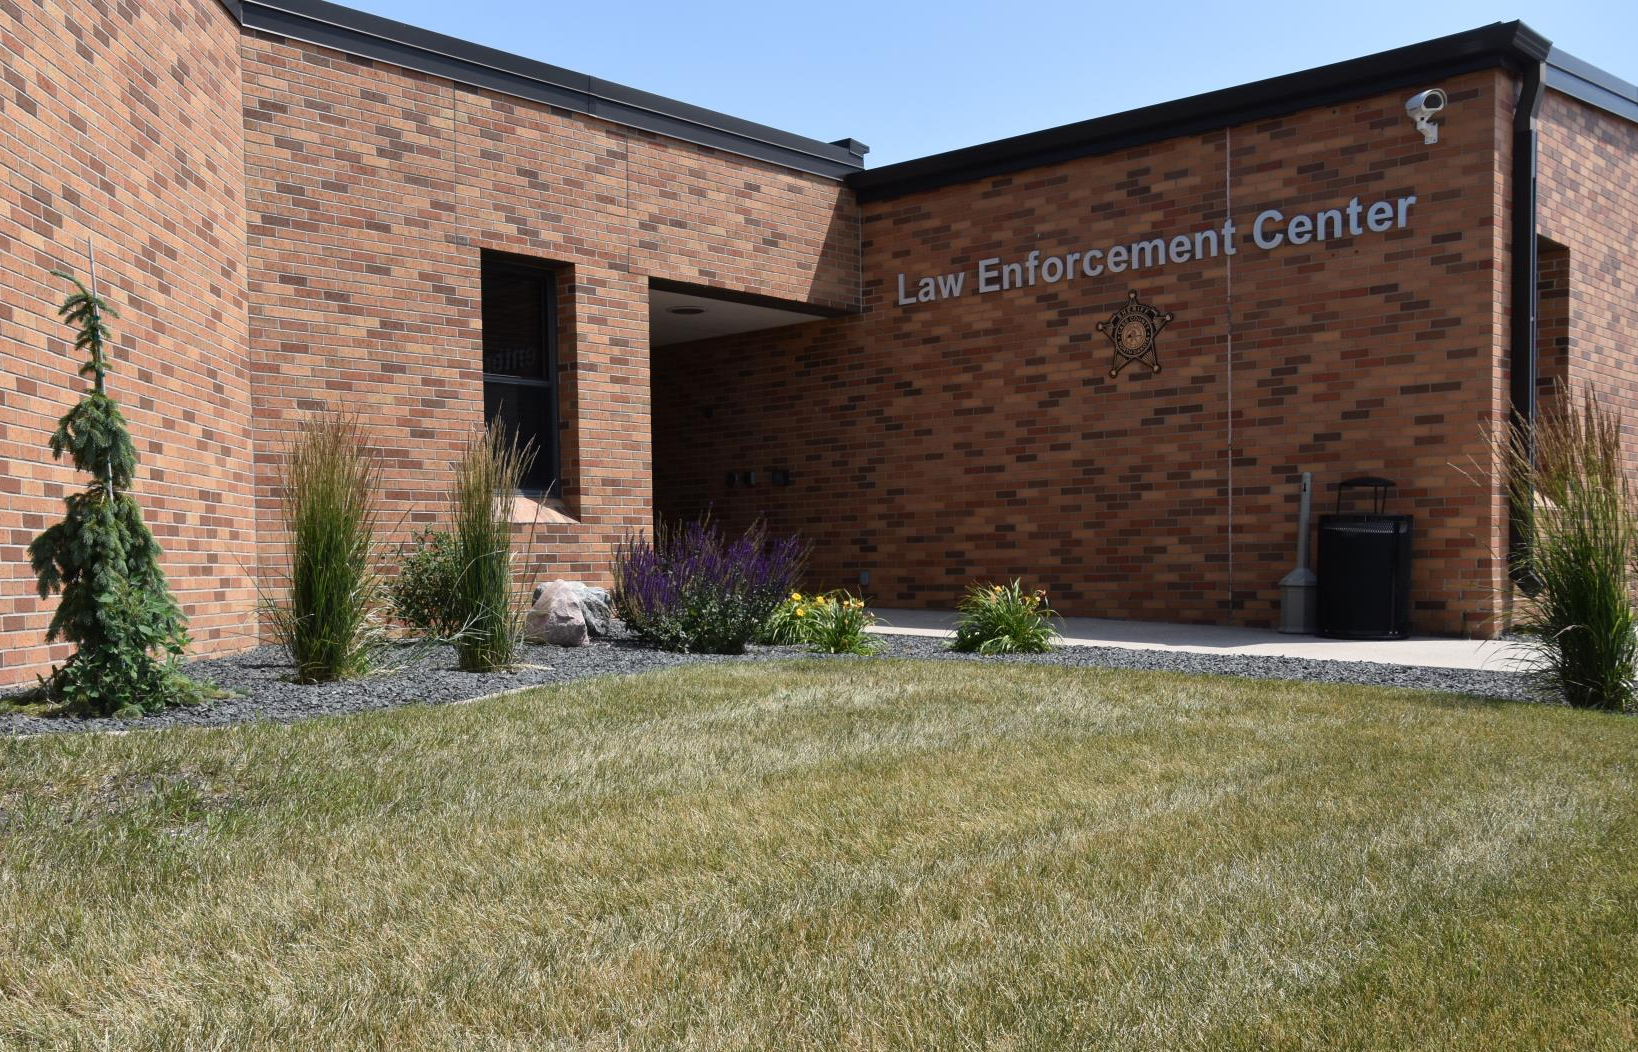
(915,78)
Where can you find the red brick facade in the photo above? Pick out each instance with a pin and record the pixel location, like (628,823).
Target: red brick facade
(286,227)
(982,437)
(1588,170)
(121,123)
(373,191)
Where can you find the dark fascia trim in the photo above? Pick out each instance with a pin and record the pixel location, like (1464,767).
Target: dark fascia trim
(749,299)
(382,39)
(1584,81)
(1509,44)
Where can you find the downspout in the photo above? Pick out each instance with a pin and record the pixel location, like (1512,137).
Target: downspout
(1522,352)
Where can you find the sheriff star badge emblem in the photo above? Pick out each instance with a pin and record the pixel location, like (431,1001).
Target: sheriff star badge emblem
(1132,330)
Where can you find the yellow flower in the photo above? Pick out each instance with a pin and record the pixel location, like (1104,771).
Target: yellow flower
(796,597)
(801,611)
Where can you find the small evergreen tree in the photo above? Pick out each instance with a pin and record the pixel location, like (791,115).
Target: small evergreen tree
(116,609)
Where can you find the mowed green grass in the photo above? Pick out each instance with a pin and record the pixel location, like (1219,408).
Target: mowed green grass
(834,855)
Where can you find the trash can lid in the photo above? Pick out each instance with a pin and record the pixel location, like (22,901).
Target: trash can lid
(1379,499)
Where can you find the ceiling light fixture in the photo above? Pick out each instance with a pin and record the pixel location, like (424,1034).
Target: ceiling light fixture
(686,310)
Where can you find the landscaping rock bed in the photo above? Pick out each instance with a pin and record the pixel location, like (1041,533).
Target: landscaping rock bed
(260,678)
(1507,686)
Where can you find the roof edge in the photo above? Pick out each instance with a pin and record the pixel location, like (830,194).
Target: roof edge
(1586,82)
(1508,44)
(371,36)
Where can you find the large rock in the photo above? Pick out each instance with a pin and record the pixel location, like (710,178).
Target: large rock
(596,605)
(555,617)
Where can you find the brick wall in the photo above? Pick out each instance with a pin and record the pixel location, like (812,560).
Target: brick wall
(982,437)
(1553,285)
(374,189)
(1588,166)
(287,228)
(122,122)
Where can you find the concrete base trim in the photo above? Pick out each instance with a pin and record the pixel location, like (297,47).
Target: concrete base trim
(1423,652)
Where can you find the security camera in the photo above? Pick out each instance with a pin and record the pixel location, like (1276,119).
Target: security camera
(1421,107)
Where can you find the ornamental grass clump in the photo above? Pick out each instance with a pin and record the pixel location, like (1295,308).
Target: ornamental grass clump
(1580,552)
(331,621)
(116,608)
(485,603)
(1004,619)
(688,589)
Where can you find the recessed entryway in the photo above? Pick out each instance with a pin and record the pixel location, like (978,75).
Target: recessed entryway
(681,313)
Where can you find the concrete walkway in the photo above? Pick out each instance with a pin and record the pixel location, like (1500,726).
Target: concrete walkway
(1427,652)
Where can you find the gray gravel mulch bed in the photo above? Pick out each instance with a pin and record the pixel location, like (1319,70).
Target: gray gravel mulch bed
(259,678)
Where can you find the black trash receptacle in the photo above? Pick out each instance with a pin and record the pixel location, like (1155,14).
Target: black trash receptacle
(1364,568)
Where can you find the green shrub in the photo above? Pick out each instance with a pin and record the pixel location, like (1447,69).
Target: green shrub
(423,593)
(1003,619)
(116,608)
(486,605)
(690,589)
(836,622)
(1580,552)
(330,622)
(784,627)
(829,622)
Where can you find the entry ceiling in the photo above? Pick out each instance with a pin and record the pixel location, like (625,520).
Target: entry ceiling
(717,317)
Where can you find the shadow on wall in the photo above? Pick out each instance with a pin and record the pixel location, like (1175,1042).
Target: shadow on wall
(711,351)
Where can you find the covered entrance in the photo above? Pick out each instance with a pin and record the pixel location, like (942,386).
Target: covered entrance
(695,407)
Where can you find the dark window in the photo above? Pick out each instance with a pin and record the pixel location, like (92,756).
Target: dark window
(520,361)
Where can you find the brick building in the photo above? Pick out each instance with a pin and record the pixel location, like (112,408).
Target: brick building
(296,205)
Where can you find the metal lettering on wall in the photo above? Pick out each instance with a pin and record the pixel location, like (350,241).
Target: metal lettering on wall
(1132,330)
(1271,230)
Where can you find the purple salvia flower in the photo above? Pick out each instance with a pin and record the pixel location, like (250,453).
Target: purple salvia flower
(689,590)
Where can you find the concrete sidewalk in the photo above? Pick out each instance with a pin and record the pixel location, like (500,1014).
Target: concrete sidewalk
(1427,652)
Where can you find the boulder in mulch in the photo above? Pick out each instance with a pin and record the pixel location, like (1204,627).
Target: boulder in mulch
(555,617)
(596,605)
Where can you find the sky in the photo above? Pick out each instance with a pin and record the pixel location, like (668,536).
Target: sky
(917,78)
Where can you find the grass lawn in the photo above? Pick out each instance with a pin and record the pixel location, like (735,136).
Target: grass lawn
(834,855)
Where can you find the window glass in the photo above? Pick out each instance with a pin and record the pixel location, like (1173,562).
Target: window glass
(514,324)
(520,361)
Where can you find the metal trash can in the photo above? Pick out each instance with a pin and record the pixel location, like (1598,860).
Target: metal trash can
(1364,567)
